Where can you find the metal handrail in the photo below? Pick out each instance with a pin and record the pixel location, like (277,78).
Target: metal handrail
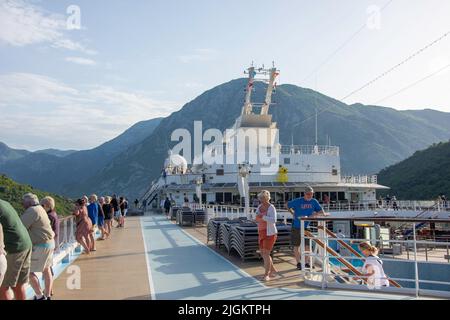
(329,270)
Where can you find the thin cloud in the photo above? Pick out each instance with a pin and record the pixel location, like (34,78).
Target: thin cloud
(82,61)
(51,113)
(23,24)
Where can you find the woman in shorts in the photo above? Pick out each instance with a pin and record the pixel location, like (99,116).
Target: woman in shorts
(266,219)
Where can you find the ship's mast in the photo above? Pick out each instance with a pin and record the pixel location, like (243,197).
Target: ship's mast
(247,109)
(252,72)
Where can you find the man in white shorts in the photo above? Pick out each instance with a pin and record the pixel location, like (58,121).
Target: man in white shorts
(36,220)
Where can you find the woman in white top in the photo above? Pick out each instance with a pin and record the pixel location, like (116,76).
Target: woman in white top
(373,267)
(266,219)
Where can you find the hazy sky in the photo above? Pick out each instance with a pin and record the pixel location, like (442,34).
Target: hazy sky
(74,88)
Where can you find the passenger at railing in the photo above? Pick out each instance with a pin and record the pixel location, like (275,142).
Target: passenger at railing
(123,205)
(186,200)
(48,203)
(255,202)
(108,211)
(373,267)
(92,208)
(394,203)
(305,206)
(84,225)
(266,218)
(36,220)
(116,209)
(101,218)
(341,235)
(380,202)
(18,248)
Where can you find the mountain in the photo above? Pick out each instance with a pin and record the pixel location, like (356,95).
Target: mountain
(56,152)
(424,175)
(61,174)
(370,137)
(7,153)
(13,192)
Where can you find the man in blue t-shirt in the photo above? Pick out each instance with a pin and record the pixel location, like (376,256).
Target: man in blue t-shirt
(306,206)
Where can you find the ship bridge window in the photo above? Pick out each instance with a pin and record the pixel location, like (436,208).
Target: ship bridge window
(228,197)
(219,197)
(287,160)
(333,196)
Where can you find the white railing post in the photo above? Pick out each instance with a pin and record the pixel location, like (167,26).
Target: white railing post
(416,266)
(302,245)
(323,235)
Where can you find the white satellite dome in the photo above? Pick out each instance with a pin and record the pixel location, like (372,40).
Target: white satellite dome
(175,161)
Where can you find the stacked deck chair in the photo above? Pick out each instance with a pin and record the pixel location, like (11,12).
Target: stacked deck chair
(244,240)
(199,216)
(185,215)
(283,238)
(213,230)
(174,212)
(225,233)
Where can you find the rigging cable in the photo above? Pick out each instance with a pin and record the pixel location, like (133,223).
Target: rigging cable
(384,73)
(342,46)
(413,84)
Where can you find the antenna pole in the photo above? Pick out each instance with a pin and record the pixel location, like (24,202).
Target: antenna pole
(316,126)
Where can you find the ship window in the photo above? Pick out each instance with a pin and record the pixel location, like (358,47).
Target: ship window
(219,197)
(333,196)
(220,172)
(296,194)
(341,196)
(318,196)
(287,160)
(334,172)
(227,197)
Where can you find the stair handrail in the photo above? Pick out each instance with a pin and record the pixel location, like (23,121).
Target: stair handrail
(350,248)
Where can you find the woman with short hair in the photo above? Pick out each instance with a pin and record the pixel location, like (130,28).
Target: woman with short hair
(266,219)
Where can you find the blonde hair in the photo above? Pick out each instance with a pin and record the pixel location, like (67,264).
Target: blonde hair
(367,246)
(93,196)
(48,201)
(264,194)
(108,199)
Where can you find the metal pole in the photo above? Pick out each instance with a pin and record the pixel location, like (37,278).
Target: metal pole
(416,267)
(302,245)
(324,255)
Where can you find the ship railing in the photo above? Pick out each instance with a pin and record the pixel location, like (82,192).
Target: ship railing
(309,149)
(377,205)
(67,228)
(413,265)
(360,179)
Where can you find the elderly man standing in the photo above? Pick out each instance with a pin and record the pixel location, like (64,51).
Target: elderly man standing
(36,220)
(18,253)
(305,206)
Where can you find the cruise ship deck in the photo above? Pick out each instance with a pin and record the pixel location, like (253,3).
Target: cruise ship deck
(153,258)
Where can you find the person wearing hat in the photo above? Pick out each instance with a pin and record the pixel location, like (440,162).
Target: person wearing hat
(305,206)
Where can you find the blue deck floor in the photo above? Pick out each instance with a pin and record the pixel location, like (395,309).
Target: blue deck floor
(180,267)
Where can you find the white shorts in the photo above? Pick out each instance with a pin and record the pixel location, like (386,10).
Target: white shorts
(3,265)
(125,212)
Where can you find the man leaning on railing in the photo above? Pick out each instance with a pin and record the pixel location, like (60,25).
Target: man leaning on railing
(305,206)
